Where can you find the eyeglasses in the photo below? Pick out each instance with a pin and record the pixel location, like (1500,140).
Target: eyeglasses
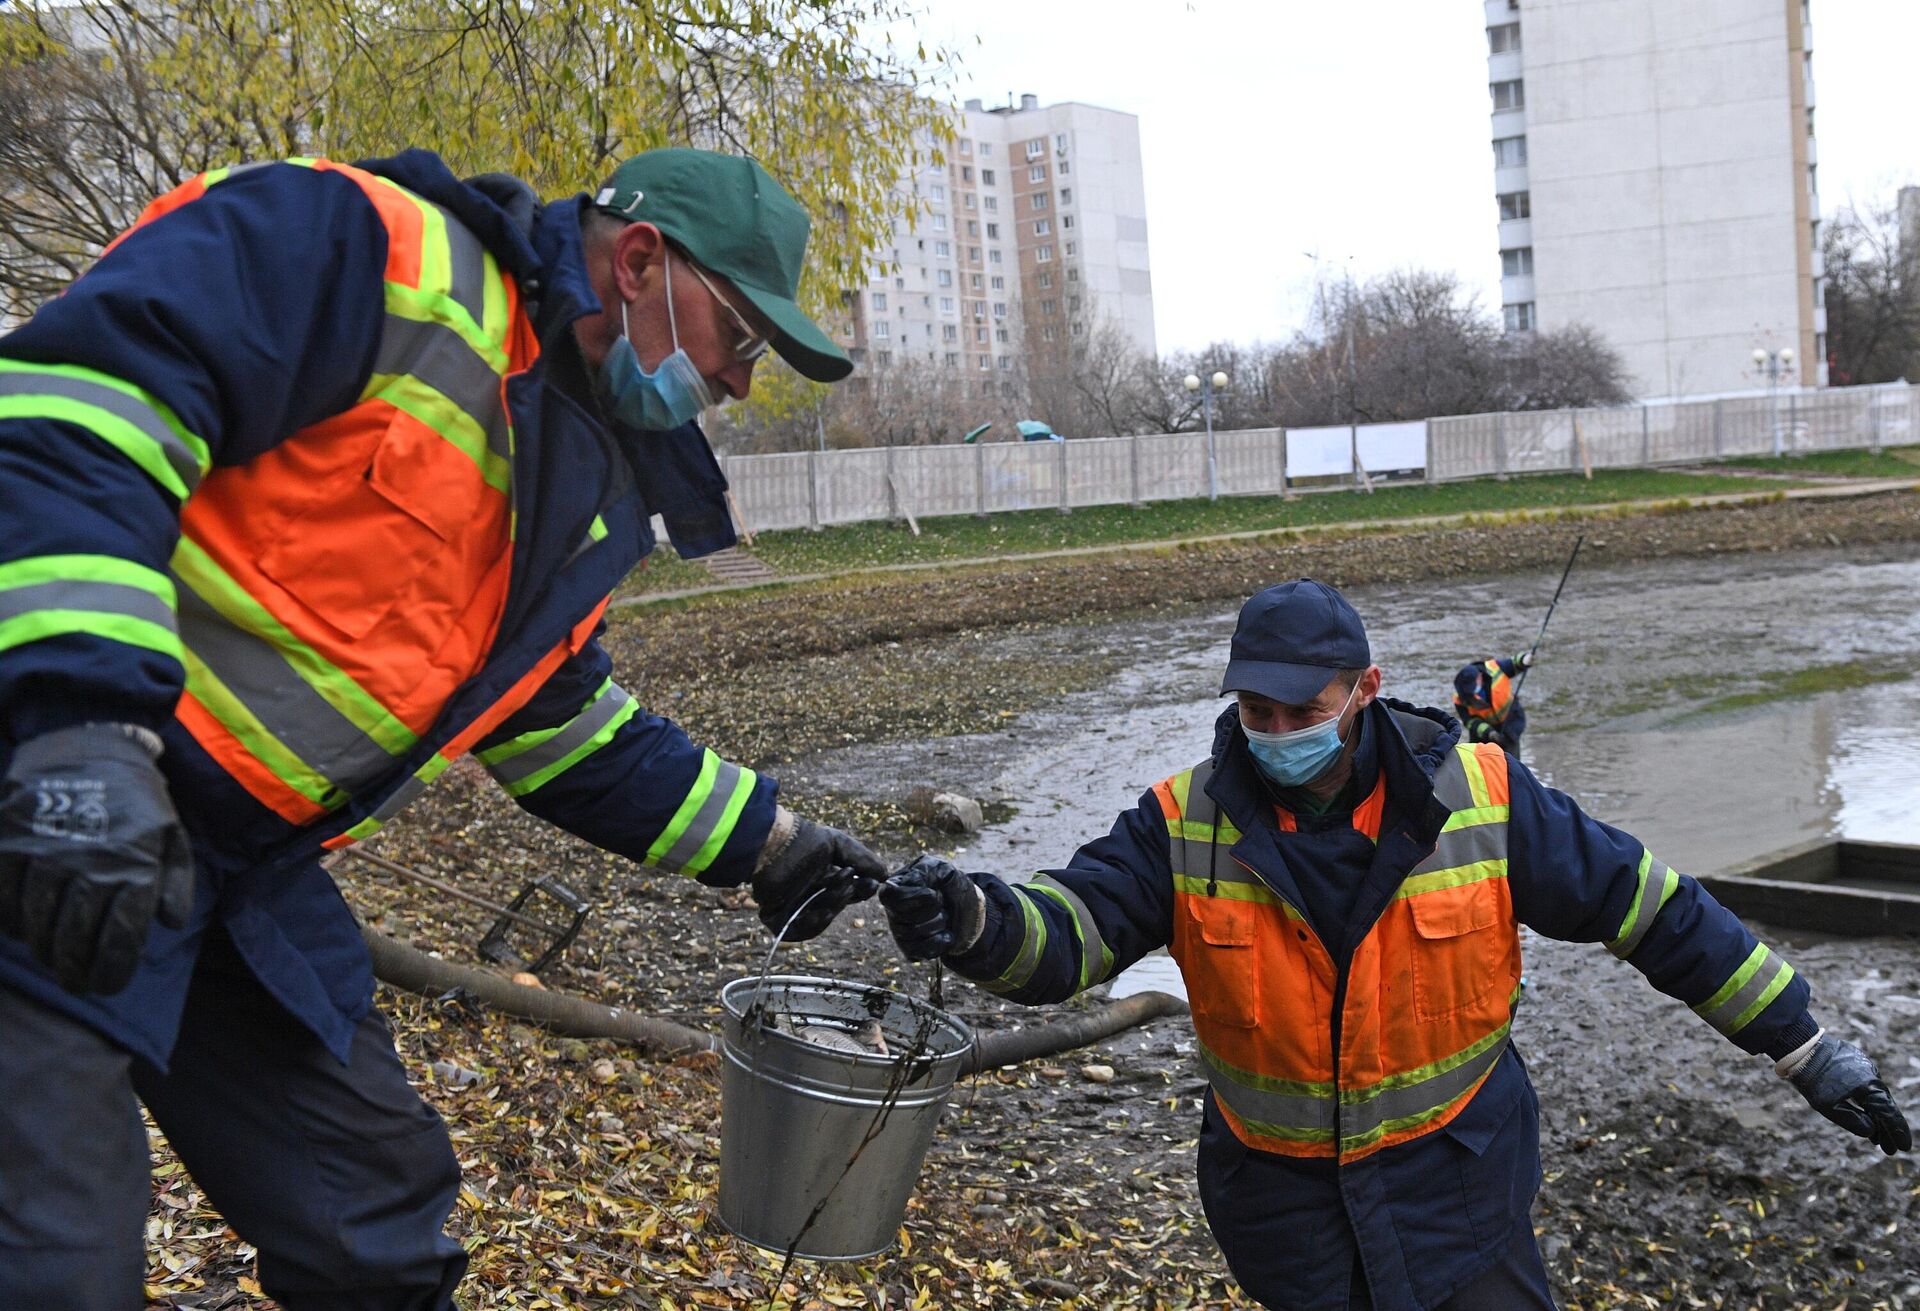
(751,345)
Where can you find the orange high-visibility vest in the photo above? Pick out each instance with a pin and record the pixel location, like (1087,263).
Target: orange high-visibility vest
(1499,695)
(1429,993)
(336,590)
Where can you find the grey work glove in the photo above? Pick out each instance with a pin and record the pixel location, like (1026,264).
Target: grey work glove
(1524,660)
(933,909)
(1840,1082)
(91,852)
(813,859)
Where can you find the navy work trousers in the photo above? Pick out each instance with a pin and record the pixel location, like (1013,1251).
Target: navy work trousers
(339,1174)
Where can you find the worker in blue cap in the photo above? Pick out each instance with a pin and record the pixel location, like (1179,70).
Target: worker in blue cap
(1486,700)
(1342,880)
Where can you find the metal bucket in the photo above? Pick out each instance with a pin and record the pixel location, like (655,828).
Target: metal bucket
(795,1111)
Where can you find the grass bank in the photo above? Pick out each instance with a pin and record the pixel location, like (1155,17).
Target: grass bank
(961,537)
(1894,462)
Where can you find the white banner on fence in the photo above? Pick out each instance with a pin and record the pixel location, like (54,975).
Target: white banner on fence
(1316,452)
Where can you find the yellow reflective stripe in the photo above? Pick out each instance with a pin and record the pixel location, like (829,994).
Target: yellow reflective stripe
(597,530)
(723,827)
(407,302)
(1760,979)
(123,416)
(1197,885)
(1476,815)
(446,417)
(1457,877)
(1086,929)
(263,746)
(334,686)
(1476,777)
(1033,941)
(1640,915)
(1192,831)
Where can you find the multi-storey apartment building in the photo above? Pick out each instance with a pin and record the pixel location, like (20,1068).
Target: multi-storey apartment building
(1654,171)
(1033,221)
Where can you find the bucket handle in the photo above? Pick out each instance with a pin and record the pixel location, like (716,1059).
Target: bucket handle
(753,1014)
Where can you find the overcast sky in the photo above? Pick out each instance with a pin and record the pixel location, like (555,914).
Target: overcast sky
(1271,128)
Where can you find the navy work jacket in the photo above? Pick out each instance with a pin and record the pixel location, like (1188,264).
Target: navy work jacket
(251,313)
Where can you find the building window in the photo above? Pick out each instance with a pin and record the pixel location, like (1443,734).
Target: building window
(966,171)
(1050,332)
(979,309)
(1503,37)
(939,222)
(1042,227)
(1036,147)
(967,200)
(1511,94)
(975,281)
(990,203)
(882,329)
(1073,248)
(986,177)
(1049,307)
(993,256)
(1064,167)
(1517,263)
(973,254)
(1066,195)
(942,250)
(1038,173)
(878,301)
(938,193)
(1073,275)
(986,362)
(986,148)
(1046,279)
(1073,304)
(1038,200)
(1515,204)
(980,334)
(999,283)
(1006,362)
(1078,327)
(953,359)
(1508,152)
(1000,334)
(946,304)
(1066,221)
(1519,317)
(973,227)
(1043,254)
(999,309)
(883,357)
(1060,142)
(966,146)
(944,277)
(993,232)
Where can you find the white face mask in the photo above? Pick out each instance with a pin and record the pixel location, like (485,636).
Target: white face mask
(1303,754)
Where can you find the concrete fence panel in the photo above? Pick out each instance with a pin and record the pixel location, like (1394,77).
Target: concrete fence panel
(1249,461)
(1173,466)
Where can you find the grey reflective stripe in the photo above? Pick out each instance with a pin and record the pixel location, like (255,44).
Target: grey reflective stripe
(1361,1115)
(256,672)
(1722,1017)
(115,402)
(1466,846)
(1190,855)
(571,737)
(97,598)
(439,357)
(467,268)
(1309,1115)
(1652,891)
(705,820)
(1450,786)
(1033,936)
(1095,956)
(403,796)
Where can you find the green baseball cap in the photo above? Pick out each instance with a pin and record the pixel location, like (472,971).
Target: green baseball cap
(731,217)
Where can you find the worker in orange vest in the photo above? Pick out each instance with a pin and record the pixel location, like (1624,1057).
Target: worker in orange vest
(319,479)
(1342,882)
(1486,700)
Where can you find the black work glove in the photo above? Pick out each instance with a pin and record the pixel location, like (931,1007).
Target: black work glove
(91,851)
(933,908)
(1840,1082)
(815,859)
(1479,730)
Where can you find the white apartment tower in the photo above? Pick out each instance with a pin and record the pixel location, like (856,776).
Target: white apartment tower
(1655,175)
(1035,221)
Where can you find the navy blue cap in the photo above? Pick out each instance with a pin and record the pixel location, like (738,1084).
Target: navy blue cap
(1291,641)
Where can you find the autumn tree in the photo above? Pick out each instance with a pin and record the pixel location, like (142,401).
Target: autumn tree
(1873,291)
(105,104)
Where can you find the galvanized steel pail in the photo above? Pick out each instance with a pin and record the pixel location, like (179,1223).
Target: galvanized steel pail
(794,1113)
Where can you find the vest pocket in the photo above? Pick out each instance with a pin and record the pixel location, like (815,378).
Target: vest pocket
(1219,963)
(1457,955)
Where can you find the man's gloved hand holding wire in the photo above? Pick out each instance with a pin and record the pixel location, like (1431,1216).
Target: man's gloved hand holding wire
(91,853)
(803,858)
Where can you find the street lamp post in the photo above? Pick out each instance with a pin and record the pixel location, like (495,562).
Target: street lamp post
(1776,365)
(1216,382)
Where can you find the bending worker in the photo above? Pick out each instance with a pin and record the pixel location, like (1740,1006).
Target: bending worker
(1342,881)
(318,479)
(1486,700)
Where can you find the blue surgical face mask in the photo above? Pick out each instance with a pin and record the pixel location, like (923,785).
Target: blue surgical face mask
(673,394)
(1299,757)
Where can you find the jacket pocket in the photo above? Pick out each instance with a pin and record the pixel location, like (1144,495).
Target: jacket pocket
(355,554)
(1223,981)
(1456,957)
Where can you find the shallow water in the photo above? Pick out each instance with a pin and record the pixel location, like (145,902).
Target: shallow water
(1618,707)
